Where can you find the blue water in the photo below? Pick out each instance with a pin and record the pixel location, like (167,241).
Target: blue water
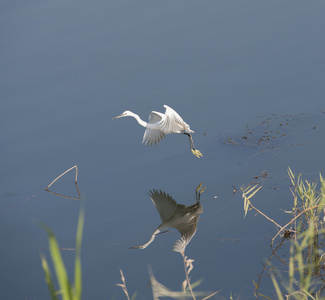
(68,68)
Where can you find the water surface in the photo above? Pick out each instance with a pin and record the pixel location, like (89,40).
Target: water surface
(68,68)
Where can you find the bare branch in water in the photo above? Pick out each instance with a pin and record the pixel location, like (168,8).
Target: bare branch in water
(75,181)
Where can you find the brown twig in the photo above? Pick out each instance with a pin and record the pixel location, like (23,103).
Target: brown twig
(67,197)
(296,217)
(265,265)
(75,181)
(76,177)
(265,216)
(211,295)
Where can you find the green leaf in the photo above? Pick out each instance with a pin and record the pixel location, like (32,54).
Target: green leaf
(48,277)
(60,270)
(78,274)
(277,288)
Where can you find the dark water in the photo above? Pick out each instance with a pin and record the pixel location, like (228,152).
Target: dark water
(68,68)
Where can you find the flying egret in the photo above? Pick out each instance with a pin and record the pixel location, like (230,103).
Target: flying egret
(173,215)
(161,124)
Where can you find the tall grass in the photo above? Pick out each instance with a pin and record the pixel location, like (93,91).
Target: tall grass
(305,277)
(67,290)
(306,269)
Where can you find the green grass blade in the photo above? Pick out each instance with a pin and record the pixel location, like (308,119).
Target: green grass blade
(291,176)
(277,288)
(60,270)
(264,296)
(48,277)
(134,295)
(78,274)
(196,283)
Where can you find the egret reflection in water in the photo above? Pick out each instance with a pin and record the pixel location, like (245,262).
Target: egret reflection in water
(178,216)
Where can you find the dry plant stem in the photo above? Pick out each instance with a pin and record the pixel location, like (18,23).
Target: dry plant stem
(265,265)
(187,277)
(296,217)
(67,197)
(123,285)
(275,223)
(211,295)
(296,292)
(76,178)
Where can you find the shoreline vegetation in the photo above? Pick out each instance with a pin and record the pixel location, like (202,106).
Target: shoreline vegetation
(304,274)
(304,277)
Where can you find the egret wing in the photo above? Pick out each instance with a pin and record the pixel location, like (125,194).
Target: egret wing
(155,117)
(181,244)
(187,231)
(173,114)
(173,122)
(174,119)
(188,228)
(152,137)
(164,203)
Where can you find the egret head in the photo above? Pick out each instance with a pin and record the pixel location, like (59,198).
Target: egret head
(125,114)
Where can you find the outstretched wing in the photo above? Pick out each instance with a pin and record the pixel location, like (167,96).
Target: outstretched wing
(152,137)
(164,203)
(173,122)
(188,228)
(181,244)
(161,124)
(187,231)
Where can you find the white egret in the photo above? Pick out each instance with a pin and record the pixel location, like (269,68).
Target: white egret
(173,215)
(161,124)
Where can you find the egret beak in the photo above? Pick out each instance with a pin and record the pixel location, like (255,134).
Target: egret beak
(120,116)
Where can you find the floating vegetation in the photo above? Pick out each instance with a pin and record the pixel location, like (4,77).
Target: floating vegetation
(278,131)
(262,134)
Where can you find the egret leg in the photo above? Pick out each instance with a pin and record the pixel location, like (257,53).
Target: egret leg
(197,153)
(198,196)
(191,140)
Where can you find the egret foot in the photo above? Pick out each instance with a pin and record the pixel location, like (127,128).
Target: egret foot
(197,153)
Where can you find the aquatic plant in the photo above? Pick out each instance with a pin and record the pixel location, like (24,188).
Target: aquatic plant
(67,290)
(306,264)
(306,270)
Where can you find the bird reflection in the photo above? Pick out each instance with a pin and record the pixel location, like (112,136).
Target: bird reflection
(178,216)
